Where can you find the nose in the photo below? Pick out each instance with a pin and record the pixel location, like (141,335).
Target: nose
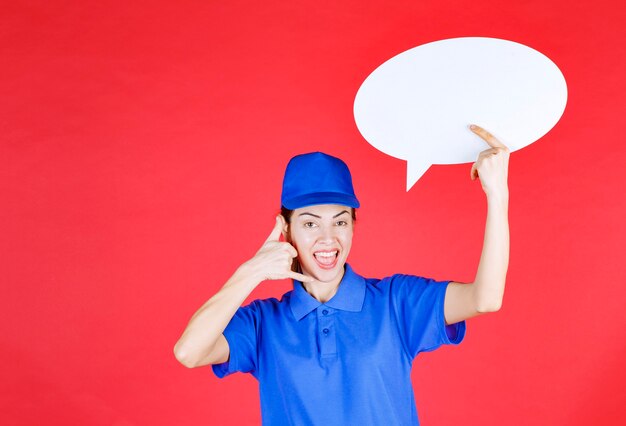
(327,234)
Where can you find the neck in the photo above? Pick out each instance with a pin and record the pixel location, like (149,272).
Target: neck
(323,291)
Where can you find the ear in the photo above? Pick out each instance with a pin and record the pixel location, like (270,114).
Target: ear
(285,228)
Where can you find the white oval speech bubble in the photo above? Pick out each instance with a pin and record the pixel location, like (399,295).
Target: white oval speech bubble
(417,105)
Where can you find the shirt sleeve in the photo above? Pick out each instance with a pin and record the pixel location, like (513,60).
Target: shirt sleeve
(418,303)
(241,334)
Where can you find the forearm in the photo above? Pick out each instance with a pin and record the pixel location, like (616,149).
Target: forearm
(494,260)
(209,322)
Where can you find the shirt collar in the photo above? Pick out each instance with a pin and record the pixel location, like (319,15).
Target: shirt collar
(349,297)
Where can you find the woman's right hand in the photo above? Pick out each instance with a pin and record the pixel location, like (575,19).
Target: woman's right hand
(274,258)
(203,341)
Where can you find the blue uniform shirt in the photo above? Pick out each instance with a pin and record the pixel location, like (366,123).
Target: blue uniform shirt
(346,361)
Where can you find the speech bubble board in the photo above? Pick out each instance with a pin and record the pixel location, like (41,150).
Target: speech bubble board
(417,105)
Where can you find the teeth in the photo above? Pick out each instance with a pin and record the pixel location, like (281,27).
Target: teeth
(326,253)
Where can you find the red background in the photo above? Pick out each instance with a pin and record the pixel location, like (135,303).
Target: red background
(142,150)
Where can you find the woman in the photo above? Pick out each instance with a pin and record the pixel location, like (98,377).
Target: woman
(338,349)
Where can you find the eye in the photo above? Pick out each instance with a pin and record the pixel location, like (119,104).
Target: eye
(309,224)
(342,223)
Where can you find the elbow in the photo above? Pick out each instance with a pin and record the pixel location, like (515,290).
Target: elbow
(488,299)
(183,356)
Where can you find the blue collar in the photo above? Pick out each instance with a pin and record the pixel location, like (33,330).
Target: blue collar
(349,297)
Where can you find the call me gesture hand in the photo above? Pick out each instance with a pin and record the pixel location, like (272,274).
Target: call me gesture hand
(203,342)
(274,258)
(492,164)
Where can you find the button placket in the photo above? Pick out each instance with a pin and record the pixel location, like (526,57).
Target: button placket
(327,338)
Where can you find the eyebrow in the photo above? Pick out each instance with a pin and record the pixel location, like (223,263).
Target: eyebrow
(319,217)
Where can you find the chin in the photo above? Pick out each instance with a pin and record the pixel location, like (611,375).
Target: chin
(326,275)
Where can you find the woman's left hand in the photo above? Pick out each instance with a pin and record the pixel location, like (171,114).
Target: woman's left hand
(492,165)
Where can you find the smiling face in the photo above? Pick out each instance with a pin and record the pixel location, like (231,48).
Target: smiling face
(322,235)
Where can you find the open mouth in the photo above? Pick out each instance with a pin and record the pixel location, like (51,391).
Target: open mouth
(326,259)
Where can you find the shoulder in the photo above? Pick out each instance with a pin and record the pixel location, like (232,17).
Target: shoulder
(396,285)
(399,280)
(408,279)
(268,305)
(404,286)
(394,281)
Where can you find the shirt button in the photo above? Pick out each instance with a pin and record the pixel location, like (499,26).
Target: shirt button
(325,312)
(325,331)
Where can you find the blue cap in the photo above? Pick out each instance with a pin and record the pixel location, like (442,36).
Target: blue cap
(317,178)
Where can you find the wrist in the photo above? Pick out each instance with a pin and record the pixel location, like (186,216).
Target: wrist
(499,195)
(248,275)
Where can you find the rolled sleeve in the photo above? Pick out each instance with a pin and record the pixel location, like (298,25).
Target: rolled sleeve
(419,307)
(241,335)
(453,333)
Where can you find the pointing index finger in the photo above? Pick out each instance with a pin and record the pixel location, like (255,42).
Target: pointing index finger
(487,137)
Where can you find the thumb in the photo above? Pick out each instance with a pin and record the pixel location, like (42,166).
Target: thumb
(278,228)
(474,172)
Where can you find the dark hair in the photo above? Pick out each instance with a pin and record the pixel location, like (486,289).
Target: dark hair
(286,213)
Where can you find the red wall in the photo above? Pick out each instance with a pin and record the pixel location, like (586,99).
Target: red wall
(142,151)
